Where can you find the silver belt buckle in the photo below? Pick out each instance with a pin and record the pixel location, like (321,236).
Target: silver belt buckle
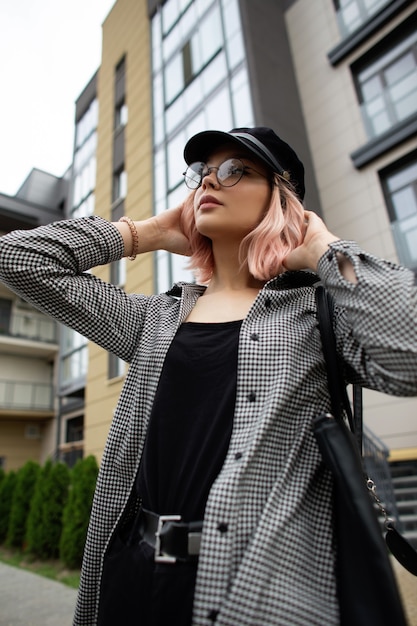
(160,557)
(194,542)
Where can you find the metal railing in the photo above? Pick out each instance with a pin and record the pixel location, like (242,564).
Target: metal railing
(28,325)
(26,396)
(375,456)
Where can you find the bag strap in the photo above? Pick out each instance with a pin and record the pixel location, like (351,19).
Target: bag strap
(401,549)
(337,388)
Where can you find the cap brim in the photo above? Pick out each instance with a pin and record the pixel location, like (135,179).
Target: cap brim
(201,145)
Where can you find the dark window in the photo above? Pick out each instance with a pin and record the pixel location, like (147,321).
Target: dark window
(386,82)
(399,183)
(75,429)
(5,313)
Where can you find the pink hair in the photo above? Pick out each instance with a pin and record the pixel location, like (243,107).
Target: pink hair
(264,249)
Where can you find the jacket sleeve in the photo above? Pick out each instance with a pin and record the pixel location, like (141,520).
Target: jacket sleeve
(375,320)
(48,266)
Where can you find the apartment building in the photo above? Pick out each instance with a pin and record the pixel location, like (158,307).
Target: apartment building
(29,340)
(356,67)
(336,78)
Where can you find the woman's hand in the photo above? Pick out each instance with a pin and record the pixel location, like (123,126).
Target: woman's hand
(171,235)
(315,243)
(161,232)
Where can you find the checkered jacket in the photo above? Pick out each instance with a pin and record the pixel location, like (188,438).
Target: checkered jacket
(275,563)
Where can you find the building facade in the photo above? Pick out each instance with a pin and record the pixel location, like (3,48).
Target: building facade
(356,69)
(337,79)
(29,340)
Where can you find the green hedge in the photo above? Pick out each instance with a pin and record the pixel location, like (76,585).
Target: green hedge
(46,510)
(7,488)
(77,511)
(23,494)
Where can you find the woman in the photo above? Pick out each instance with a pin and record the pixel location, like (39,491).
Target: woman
(213,425)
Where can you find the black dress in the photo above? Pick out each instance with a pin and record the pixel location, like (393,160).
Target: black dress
(187,441)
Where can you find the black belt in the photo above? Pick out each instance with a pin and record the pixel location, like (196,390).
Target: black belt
(171,539)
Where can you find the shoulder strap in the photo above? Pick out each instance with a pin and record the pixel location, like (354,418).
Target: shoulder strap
(337,387)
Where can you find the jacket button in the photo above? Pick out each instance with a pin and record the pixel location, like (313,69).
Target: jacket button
(252,396)
(268,302)
(222,527)
(212,615)
(238,456)
(254,337)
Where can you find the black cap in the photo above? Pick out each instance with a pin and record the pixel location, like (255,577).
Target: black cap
(263,142)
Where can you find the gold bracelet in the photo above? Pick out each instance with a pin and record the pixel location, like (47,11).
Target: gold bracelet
(135,238)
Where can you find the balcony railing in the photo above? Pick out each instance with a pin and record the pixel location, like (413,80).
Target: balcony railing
(28,325)
(26,396)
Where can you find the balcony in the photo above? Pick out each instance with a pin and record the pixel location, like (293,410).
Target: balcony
(29,333)
(26,399)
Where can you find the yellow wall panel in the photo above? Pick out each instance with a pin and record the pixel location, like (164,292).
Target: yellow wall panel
(125,35)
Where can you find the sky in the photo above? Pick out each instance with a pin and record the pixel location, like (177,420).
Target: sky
(49,50)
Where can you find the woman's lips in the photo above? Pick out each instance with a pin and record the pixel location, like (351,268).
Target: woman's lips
(207,201)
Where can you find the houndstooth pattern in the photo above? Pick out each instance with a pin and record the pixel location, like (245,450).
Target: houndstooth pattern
(274,565)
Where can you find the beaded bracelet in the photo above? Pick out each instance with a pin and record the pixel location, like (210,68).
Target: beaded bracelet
(135,238)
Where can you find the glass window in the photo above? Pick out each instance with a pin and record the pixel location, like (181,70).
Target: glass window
(87,123)
(388,87)
(219,111)
(74,429)
(210,36)
(241,98)
(118,273)
(119,185)
(174,151)
(174,77)
(163,271)
(199,82)
(116,366)
(120,115)
(74,366)
(351,14)
(159,175)
(214,74)
(170,12)
(400,188)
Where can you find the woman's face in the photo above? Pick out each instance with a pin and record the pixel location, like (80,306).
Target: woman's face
(231,213)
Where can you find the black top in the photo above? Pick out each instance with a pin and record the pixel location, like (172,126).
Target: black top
(191,420)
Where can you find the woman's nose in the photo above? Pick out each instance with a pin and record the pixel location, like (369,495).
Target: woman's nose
(210,178)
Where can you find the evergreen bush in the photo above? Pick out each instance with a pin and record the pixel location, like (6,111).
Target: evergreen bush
(56,488)
(34,534)
(7,488)
(23,494)
(77,511)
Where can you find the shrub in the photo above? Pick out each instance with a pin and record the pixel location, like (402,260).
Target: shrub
(34,534)
(56,487)
(7,488)
(77,511)
(23,493)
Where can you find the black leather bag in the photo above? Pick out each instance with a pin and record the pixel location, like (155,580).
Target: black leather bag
(367,589)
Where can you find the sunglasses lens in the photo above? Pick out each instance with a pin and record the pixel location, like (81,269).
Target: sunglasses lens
(193,174)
